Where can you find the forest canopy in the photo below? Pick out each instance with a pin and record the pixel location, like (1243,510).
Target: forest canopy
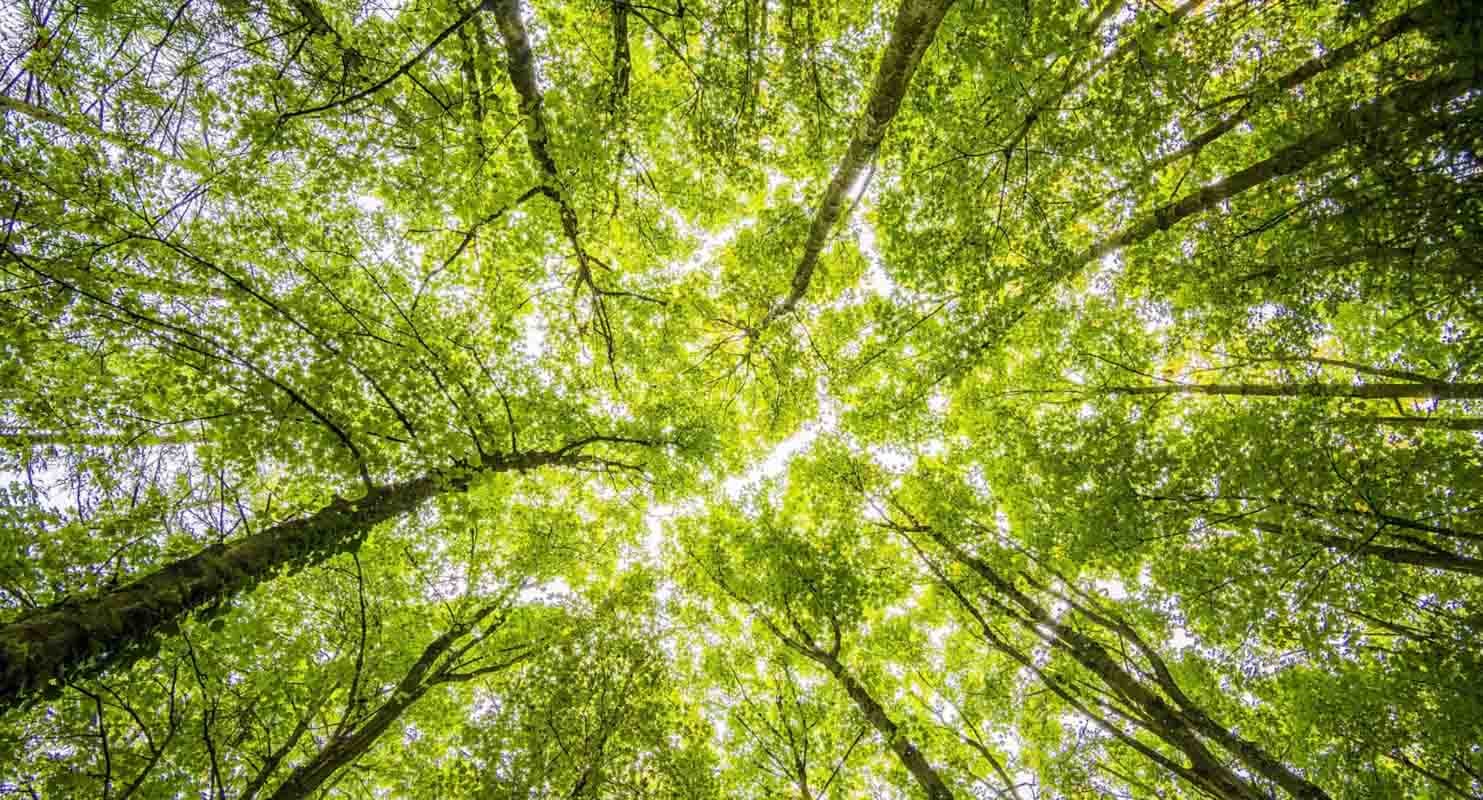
(741,399)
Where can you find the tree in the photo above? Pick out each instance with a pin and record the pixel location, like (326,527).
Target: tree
(740,399)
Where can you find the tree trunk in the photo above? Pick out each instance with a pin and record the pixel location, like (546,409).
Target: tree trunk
(618,95)
(520,65)
(1432,559)
(1385,113)
(906,751)
(1204,772)
(1368,391)
(270,764)
(1179,722)
(911,757)
(1381,520)
(117,626)
(307,778)
(1380,34)
(426,673)
(916,25)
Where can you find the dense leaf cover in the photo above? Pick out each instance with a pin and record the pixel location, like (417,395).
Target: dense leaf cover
(741,399)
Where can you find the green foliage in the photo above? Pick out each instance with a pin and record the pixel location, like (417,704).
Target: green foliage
(1121,441)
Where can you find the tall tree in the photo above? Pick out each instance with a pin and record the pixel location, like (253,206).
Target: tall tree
(824,400)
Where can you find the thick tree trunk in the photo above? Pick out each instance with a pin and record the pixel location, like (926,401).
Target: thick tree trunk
(1369,391)
(916,25)
(116,627)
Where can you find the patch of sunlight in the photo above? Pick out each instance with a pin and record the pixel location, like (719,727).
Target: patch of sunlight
(549,593)
(1111,587)
(774,464)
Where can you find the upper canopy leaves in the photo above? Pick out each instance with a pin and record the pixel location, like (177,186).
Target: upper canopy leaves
(740,399)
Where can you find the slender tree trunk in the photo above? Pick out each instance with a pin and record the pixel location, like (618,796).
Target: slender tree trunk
(117,626)
(621,63)
(426,673)
(1382,520)
(1362,369)
(520,64)
(1447,423)
(1406,107)
(906,751)
(1380,34)
(308,778)
(1204,772)
(1368,391)
(1441,780)
(1179,722)
(916,25)
(1432,559)
(270,764)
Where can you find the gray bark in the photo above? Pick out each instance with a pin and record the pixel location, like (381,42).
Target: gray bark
(916,25)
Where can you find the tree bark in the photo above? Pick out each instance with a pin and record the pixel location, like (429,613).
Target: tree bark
(1388,112)
(426,673)
(916,25)
(116,627)
(1204,772)
(1369,391)
(520,64)
(1175,720)
(270,764)
(618,95)
(1432,559)
(1380,34)
(906,751)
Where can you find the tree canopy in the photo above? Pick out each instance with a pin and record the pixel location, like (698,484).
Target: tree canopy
(741,399)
